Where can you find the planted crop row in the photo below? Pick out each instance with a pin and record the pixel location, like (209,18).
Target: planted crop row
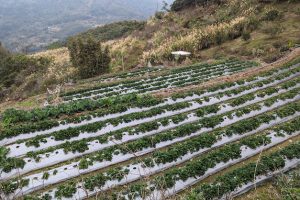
(150,126)
(156,81)
(8,163)
(173,181)
(201,112)
(129,83)
(96,126)
(113,174)
(132,100)
(211,122)
(190,129)
(197,168)
(44,125)
(180,150)
(262,79)
(138,84)
(232,151)
(119,134)
(285,112)
(11,116)
(205,140)
(225,184)
(180,81)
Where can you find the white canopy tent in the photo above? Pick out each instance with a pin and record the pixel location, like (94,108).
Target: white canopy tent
(181,53)
(177,54)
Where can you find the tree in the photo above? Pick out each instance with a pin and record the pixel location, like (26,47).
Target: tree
(15,68)
(3,52)
(246,35)
(182,4)
(165,7)
(89,57)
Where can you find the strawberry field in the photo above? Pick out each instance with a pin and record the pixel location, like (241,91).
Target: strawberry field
(118,141)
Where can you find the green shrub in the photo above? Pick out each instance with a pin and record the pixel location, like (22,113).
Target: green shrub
(15,68)
(271,15)
(159,15)
(56,45)
(220,37)
(246,35)
(3,52)
(182,4)
(112,31)
(273,30)
(20,66)
(89,57)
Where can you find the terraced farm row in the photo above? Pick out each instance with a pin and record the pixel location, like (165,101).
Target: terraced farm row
(137,146)
(179,77)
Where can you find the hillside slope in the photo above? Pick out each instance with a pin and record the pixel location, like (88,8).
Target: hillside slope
(213,31)
(197,130)
(265,37)
(249,29)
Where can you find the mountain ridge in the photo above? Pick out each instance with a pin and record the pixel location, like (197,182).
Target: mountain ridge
(30,25)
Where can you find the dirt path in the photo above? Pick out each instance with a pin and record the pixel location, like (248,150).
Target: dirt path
(234,77)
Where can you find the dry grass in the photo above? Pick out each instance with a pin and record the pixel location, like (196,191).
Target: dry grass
(61,69)
(61,55)
(191,41)
(261,45)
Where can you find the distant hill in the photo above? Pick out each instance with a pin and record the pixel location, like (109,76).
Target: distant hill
(28,25)
(113,30)
(104,33)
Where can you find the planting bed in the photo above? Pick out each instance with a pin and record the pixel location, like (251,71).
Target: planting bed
(114,140)
(175,78)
